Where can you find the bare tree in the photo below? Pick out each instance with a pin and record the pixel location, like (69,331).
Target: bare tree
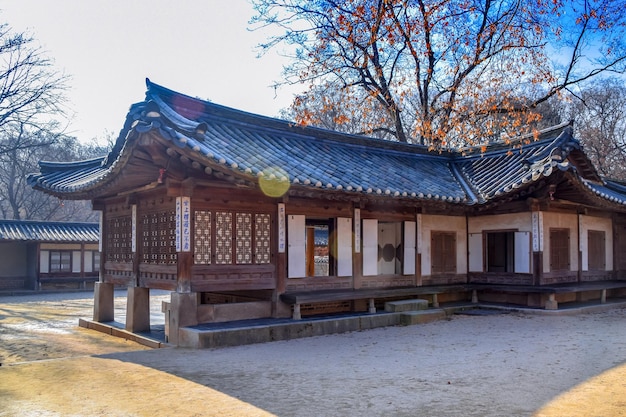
(23,151)
(335,109)
(32,114)
(599,112)
(32,93)
(449,72)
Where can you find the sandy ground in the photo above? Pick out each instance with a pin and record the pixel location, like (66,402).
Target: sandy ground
(495,365)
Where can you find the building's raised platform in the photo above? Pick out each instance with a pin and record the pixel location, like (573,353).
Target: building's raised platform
(243,332)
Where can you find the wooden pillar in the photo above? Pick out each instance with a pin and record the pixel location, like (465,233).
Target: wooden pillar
(357,250)
(82,260)
(418,270)
(537,229)
(280,309)
(183,272)
(580,245)
(310,251)
(537,268)
(101,246)
(419,244)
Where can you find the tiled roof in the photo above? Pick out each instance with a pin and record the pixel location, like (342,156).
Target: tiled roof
(502,169)
(611,190)
(42,231)
(250,146)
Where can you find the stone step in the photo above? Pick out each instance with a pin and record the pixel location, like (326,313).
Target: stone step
(421,317)
(406,305)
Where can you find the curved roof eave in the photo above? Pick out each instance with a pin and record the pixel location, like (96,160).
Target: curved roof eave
(82,180)
(252,147)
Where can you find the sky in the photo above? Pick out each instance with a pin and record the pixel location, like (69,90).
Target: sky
(201,48)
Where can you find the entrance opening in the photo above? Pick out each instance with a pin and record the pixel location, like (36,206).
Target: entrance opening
(319,257)
(500,251)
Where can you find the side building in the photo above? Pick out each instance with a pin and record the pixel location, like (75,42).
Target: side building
(242,216)
(48,255)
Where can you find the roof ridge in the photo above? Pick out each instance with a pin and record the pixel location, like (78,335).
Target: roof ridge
(272,123)
(543,135)
(465,184)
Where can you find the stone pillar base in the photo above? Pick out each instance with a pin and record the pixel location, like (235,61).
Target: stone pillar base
(435,301)
(372,306)
(183,312)
(103,302)
(138,310)
(296,312)
(551,303)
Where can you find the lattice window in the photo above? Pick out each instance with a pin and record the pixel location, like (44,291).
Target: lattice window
(202,242)
(158,237)
(262,238)
(231,238)
(223,237)
(118,235)
(148,222)
(244,238)
(60,261)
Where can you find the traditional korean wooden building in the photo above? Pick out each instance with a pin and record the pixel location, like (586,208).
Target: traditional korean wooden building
(48,255)
(243,216)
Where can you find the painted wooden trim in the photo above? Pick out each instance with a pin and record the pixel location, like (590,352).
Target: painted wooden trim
(281,228)
(370,247)
(133,228)
(475,246)
(296,238)
(76,262)
(410,237)
(357,230)
(522,252)
(344,246)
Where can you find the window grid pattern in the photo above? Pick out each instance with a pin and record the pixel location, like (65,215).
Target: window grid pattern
(231,238)
(244,238)
(262,238)
(118,245)
(158,237)
(223,238)
(60,261)
(96,261)
(202,241)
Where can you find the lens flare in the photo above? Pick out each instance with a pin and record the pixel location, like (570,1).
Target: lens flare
(274,182)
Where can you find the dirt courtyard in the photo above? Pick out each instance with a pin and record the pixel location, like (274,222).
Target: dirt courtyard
(469,365)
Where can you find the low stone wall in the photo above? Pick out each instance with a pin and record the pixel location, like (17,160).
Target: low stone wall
(194,338)
(216,313)
(12,284)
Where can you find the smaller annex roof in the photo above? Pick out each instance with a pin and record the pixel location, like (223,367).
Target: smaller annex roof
(250,147)
(43,231)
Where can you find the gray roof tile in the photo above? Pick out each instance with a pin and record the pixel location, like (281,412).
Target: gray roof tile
(42,231)
(252,146)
